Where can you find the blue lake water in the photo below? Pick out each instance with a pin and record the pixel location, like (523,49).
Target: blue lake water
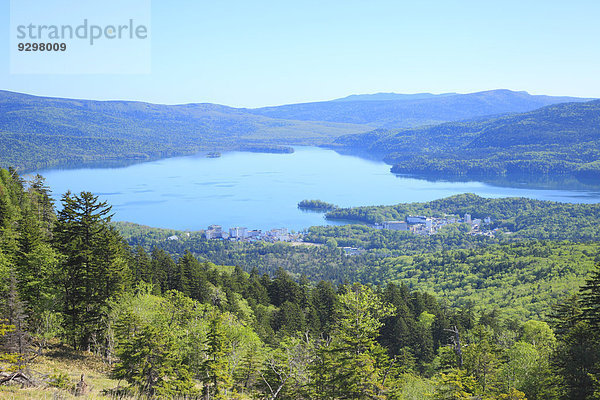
(261,191)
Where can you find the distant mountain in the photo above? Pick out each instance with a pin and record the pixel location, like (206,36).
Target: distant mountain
(37,132)
(557,139)
(406,112)
(392,96)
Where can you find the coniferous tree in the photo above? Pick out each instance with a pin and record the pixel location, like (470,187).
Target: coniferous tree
(149,362)
(215,370)
(17,338)
(163,270)
(141,265)
(35,265)
(353,365)
(590,299)
(325,302)
(93,265)
(42,204)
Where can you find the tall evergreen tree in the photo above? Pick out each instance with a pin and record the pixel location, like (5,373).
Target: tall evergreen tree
(216,376)
(590,299)
(150,363)
(353,365)
(93,265)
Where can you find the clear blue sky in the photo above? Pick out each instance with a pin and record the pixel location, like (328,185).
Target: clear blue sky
(256,53)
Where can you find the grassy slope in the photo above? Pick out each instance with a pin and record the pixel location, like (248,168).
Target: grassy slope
(72,363)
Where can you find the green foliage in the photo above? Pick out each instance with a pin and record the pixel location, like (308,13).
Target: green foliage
(215,369)
(41,132)
(149,362)
(577,359)
(316,205)
(60,380)
(353,365)
(455,385)
(177,327)
(560,139)
(522,278)
(93,267)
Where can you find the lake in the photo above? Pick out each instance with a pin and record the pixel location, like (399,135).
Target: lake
(262,190)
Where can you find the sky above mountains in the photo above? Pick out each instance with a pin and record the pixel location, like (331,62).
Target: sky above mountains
(260,53)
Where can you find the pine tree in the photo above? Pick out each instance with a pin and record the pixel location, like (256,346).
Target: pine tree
(455,385)
(590,299)
(354,365)
(17,339)
(141,266)
(42,204)
(163,270)
(93,266)
(35,266)
(325,302)
(149,362)
(215,369)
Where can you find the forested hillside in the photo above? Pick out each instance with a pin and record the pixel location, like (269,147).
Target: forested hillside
(179,328)
(526,218)
(539,251)
(41,132)
(559,139)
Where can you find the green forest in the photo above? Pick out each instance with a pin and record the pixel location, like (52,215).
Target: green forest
(43,132)
(316,205)
(540,251)
(149,321)
(561,139)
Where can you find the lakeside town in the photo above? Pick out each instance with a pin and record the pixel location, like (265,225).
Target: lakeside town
(415,224)
(422,225)
(243,234)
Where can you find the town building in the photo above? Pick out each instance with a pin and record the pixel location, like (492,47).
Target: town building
(416,219)
(214,232)
(395,225)
(238,232)
(278,234)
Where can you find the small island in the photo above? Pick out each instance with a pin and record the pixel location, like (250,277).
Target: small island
(213,154)
(316,205)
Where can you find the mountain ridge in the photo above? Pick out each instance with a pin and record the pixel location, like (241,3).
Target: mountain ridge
(557,139)
(392,114)
(39,132)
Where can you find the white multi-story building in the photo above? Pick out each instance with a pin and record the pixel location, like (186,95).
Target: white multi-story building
(467,218)
(395,225)
(254,234)
(279,234)
(214,232)
(238,232)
